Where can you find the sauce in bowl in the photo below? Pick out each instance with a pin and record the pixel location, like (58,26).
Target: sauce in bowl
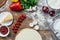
(4,30)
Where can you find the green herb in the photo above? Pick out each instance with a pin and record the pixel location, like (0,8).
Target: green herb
(27,3)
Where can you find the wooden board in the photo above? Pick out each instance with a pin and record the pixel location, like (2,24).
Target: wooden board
(46,34)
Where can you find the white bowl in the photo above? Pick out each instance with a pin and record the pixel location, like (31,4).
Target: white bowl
(5,34)
(2,15)
(55,4)
(4,6)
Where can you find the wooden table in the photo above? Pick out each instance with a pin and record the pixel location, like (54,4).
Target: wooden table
(46,34)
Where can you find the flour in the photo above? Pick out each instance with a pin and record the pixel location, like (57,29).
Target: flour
(55,4)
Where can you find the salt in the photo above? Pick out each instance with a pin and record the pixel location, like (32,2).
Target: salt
(55,4)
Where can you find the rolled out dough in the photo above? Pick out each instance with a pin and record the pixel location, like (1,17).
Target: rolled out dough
(28,34)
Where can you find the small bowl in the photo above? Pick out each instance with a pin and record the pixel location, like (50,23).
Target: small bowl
(53,28)
(3,15)
(5,34)
(4,6)
(51,6)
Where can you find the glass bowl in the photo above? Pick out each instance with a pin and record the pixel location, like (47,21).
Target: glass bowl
(56,32)
(6,33)
(4,6)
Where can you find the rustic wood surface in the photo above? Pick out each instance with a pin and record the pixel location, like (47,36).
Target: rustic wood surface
(46,34)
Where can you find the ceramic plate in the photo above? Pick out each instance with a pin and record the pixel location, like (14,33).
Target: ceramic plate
(5,34)
(2,15)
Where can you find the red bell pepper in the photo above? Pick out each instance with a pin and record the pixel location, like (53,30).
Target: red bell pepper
(15,6)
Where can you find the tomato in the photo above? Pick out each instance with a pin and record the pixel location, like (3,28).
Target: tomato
(4,30)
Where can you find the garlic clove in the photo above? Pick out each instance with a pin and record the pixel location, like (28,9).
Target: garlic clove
(35,22)
(36,27)
(30,9)
(31,25)
(34,8)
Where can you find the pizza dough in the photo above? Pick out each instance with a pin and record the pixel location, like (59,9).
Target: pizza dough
(28,34)
(55,4)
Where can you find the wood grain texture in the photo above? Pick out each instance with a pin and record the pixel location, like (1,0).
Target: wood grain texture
(46,34)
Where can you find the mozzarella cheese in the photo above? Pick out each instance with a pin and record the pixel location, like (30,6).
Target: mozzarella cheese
(7,18)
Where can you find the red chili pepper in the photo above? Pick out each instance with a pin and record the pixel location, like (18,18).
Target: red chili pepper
(15,6)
